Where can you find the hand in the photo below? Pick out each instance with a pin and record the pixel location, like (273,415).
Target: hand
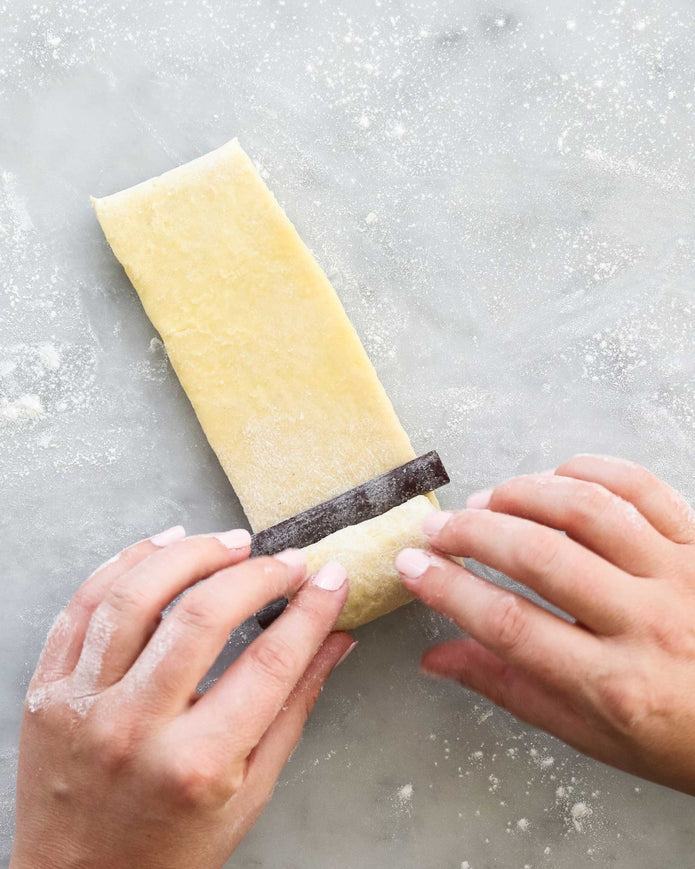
(121,763)
(615,682)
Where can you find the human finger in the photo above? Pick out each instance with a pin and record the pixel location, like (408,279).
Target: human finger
(566,574)
(270,755)
(591,515)
(131,609)
(472,665)
(662,506)
(63,645)
(264,676)
(514,628)
(189,639)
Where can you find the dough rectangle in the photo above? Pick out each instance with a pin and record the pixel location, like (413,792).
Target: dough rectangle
(278,378)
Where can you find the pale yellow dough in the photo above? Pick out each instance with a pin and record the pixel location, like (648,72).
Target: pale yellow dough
(281,384)
(368,551)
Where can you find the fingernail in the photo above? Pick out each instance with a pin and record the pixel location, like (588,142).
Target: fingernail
(434,522)
(345,654)
(237,538)
(412,563)
(294,559)
(171,535)
(330,577)
(479,500)
(549,473)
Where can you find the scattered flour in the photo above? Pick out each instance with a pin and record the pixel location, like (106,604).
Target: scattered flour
(49,356)
(152,656)
(85,678)
(23,409)
(403,798)
(579,814)
(404,795)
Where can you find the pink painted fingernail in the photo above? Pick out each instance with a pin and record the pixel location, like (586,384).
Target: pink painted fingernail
(346,653)
(171,535)
(412,563)
(434,522)
(237,538)
(479,500)
(330,577)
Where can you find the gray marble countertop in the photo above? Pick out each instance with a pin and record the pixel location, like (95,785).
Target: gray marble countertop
(523,283)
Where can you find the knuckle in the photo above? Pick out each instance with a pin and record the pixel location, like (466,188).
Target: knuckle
(667,628)
(274,659)
(592,498)
(113,742)
(627,697)
(590,501)
(198,611)
(508,624)
(40,699)
(87,597)
(641,481)
(125,597)
(540,552)
(505,495)
(197,782)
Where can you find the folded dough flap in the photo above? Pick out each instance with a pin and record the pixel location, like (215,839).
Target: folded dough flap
(276,374)
(368,551)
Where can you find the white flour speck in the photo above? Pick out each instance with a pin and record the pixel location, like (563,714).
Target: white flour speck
(404,796)
(154,653)
(84,681)
(22,409)
(579,813)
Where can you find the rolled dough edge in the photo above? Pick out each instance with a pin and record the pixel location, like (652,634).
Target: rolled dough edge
(368,552)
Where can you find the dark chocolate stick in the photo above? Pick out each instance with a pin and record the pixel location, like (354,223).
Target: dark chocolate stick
(417,477)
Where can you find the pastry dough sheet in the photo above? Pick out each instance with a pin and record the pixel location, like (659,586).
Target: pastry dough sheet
(275,371)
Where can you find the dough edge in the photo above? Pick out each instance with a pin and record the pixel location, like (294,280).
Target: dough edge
(368,551)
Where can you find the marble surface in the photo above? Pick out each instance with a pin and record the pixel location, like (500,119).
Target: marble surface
(502,194)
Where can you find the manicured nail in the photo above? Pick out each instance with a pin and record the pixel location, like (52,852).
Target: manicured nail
(345,654)
(294,559)
(171,535)
(412,563)
(330,577)
(434,522)
(479,500)
(237,538)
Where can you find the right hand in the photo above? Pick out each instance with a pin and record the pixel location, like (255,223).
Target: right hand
(121,763)
(615,681)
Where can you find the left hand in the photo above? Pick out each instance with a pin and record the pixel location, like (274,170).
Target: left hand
(617,680)
(122,763)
